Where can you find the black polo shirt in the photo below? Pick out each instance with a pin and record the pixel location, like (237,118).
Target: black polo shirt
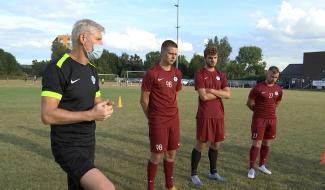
(76,86)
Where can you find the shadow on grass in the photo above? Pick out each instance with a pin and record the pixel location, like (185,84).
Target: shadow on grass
(39,132)
(290,171)
(125,137)
(25,144)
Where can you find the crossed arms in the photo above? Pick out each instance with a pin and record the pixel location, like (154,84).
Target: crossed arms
(207,94)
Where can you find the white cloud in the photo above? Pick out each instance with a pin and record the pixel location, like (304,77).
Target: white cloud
(289,14)
(8,22)
(263,23)
(132,39)
(30,43)
(294,25)
(54,9)
(281,62)
(139,40)
(185,46)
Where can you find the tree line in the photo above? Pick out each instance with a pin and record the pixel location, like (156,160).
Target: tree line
(248,64)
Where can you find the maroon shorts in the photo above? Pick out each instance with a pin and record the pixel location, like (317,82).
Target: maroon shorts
(263,129)
(165,136)
(210,129)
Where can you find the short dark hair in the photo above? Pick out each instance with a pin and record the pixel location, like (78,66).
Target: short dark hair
(210,50)
(168,43)
(274,69)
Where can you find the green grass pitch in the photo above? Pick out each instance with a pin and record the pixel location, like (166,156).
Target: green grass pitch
(122,147)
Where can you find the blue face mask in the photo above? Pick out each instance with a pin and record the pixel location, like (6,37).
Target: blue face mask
(96,53)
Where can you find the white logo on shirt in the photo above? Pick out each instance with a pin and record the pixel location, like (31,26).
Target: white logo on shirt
(205,78)
(276,93)
(159,79)
(74,81)
(217,78)
(263,92)
(93,79)
(175,79)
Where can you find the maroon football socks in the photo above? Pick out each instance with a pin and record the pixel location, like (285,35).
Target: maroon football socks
(252,156)
(151,174)
(168,170)
(263,154)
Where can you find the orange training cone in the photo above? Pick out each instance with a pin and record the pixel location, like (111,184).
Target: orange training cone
(323,159)
(119,102)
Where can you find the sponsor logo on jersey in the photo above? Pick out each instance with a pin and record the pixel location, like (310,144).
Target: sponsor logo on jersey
(276,93)
(74,81)
(159,79)
(93,79)
(175,79)
(217,78)
(205,78)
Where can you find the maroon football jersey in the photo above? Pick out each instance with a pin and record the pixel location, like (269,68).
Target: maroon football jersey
(213,80)
(265,98)
(163,87)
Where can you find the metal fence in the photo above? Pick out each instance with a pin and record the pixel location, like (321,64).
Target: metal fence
(241,83)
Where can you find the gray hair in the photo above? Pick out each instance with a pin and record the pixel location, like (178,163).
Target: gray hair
(84,26)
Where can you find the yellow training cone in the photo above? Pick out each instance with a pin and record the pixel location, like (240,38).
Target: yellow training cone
(119,102)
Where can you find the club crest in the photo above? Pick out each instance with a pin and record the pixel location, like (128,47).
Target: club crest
(93,79)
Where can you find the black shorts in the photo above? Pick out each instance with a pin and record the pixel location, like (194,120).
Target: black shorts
(75,161)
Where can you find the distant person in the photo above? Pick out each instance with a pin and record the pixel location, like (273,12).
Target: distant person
(212,87)
(263,100)
(102,81)
(160,87)
(71,102)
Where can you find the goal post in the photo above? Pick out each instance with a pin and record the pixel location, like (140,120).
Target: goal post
(108,79)
(133,77)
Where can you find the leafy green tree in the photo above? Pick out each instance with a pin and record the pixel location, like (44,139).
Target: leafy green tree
(196,63)
(251,58)
(101,64)
(123,64)
(235,70)
(9,64)
(38,67)
(152,58)
(183,65)
(135,63)
(113,62)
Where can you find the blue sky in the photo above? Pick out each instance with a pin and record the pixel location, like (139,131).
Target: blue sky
(283,29)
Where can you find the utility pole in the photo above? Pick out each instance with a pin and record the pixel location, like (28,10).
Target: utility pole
(177,27)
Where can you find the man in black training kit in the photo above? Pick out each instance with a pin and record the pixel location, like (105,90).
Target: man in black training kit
(71,102)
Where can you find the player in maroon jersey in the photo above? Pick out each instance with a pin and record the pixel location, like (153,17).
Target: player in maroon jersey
(212,87)
(263,100)
(160,86)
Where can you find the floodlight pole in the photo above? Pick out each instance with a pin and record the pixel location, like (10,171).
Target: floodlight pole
(177,27)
